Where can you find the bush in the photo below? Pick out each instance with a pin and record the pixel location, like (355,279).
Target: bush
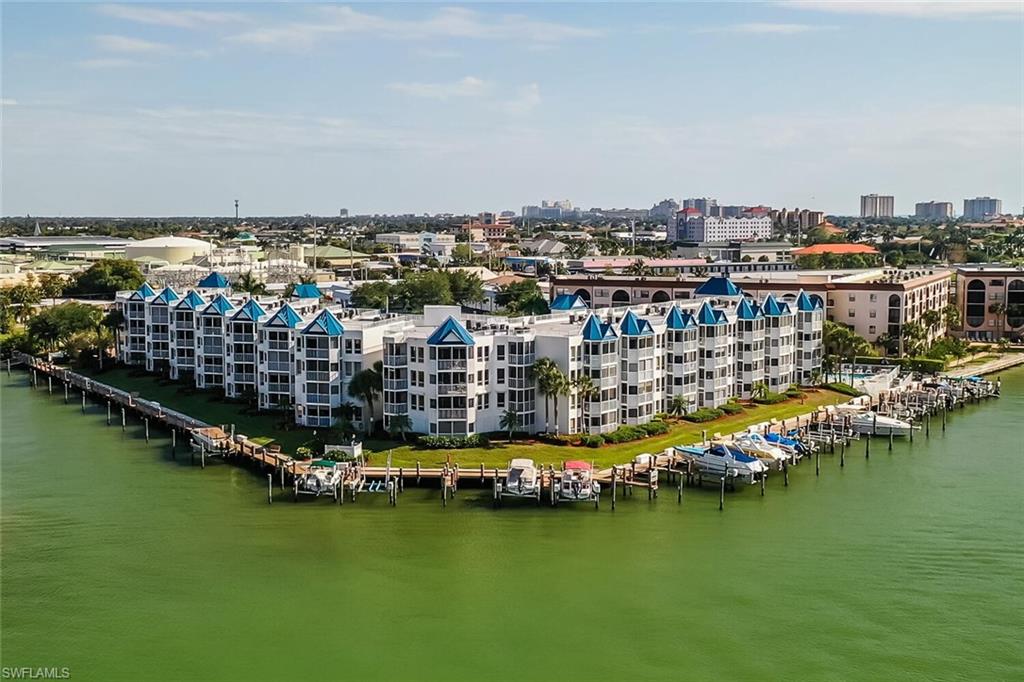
(770,399)
(655,427)
(845,389)
(594,441)
(704,414)
(453,442)
(923,365)
(794,393)
(625,434)
(732,408)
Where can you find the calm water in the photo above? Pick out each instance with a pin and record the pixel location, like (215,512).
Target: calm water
(125,565)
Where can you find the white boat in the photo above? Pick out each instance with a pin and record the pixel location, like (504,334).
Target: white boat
(576,483)
(874,424)
(321,477)
(522,479)
(722,459)
(755,445)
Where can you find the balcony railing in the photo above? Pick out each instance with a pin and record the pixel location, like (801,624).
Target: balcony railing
(451,364)
(396,384)
(280,367)
(519,382)
(245,357)
(160,336)
(318,353)
(396,408)
(396,359)
(318,376)
(522,358)
(245,378)
(451,389)
(522,408)
(213,349)
(451,413)
(607,406)
(318,399)
(136,348)
(243,337)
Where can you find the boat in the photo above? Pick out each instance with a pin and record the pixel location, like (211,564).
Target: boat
(522,480)
(791,445)
(724,459)
(874,424)
(321,477)
(755,445)
(576,483)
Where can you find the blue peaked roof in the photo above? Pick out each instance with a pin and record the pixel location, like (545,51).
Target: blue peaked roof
(805,303)
(166,296)
(145,290)
(192,301)
(214,280)
(595,330)
(746,311)
(325,323)
(285,317)
(219,305)
(677,319)
(451,333)
(773,308)
(708,315)
(718,286)
(251,310)
(634,326)
(306,291)
(568,302)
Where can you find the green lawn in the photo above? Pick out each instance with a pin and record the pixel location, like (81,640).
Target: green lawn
(268,428)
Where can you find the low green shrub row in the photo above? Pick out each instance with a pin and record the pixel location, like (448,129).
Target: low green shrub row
(704,414)
(624,434)
(453,442)
(732,408)
(923,365)
(845,389)
(770,398)
(794,393)
(594,441)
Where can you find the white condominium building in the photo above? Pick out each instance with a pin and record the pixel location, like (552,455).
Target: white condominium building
(451,373)
(690,227)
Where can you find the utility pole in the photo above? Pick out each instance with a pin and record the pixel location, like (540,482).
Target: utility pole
(236,211)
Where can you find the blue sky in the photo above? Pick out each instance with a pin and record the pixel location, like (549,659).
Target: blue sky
(146,109)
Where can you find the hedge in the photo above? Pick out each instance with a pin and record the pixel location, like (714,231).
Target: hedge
(732,408)
(594,441)
(770,398)
(453,442)
(794,393)
(704,414)
(923,365)
(845,389)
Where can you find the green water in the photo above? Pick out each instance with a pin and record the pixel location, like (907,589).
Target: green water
(124,564)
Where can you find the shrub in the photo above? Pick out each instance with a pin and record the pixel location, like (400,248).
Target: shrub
(845,389)
(794,393)
(594,441)
(624,434)
(923,365)
(770,399)
(704,414)
(732,408)
(655,427)
(453,442)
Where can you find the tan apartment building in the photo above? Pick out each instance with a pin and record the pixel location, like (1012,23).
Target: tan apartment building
(991,301)
(873,302)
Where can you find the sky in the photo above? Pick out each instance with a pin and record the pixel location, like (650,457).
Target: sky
(135,109)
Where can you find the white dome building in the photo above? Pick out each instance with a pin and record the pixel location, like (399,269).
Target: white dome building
(174,250)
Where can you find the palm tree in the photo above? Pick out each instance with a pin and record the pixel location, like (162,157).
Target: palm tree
(510,421)
(560,385)
(759,391)
(399,424)
(585,392)
(951,314)
(367,386)
(931,319)
(542,371)
(250,283)
(999,310)
(679,405)
(637,268)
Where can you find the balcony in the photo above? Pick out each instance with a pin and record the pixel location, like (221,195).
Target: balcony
(519,382)
(245,378)
(607,406)
(245,357)
(523,408)
(396,360)
(160,336)
(318,376)
(317,353)
(451,364)
(278,345)
(396,408)
(396,384)
(451,413)
(243,338)
(136,347)
(318,399)
(213,349)
(451,389)
(280,367)
(522,358)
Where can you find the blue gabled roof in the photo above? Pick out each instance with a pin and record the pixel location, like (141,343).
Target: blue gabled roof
(325,323)
(167,296)
(772,308)
(285,317)
(214,280)
(145,290)
(677,319)
(192,301)
(451,333)
(219,305)
(746,311)
(595,330)
(568,302)
(634,326)
(806,304)
(306,291)
(718,286)
(251,311)
(708,315)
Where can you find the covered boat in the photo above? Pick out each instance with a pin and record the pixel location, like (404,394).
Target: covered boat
(321,477)
(576,483)
(522,479)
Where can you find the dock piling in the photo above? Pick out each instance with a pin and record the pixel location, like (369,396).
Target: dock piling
(867,447)
(401,479)
(174,441)
(124,419)
(842,455)
(614,486)
(721,494)
(49,384)
(108,413)
(817,463)
(785,474)
(83,401)
(65,393)
(202,455)
(146,422)
(680,477)
(890,438)
(417,472)
(270,488)
(764,476)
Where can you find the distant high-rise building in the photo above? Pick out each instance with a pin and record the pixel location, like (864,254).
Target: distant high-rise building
(876,206)
(691,226)
(980,208)
(936,210)
(705,205)
(342,212)
(666,208)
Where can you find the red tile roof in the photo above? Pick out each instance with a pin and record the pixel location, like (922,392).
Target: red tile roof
(842,249)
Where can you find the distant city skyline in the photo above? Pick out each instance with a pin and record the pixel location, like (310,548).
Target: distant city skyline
(176,110)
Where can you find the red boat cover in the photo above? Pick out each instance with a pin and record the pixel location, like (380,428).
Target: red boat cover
(577,464)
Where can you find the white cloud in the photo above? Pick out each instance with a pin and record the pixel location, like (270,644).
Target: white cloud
(188,18)
(526,100)
(469,86)
(105,63)
(447,22)
(765,28)
(926,9)
(7,102)
(112,43)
